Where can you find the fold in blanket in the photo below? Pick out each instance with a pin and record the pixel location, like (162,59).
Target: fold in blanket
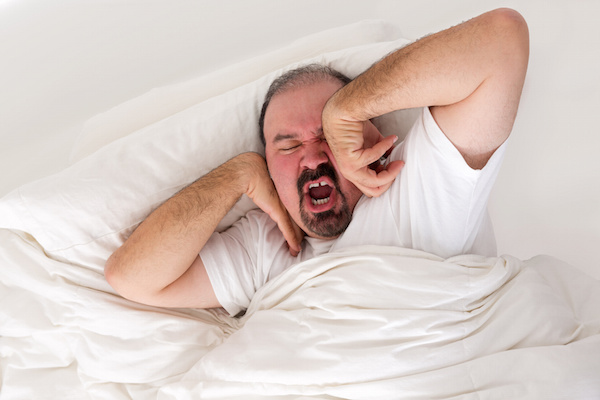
(372,322)
(64,334)
(380,322)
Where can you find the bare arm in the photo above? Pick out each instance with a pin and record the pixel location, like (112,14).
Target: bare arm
(159,263)
(472,76)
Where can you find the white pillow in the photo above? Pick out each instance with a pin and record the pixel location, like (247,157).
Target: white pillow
(160,103)
(82,214)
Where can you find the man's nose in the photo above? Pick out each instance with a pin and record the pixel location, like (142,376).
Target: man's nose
(315,154)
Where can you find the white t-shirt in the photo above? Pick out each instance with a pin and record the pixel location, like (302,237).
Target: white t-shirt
(436,204)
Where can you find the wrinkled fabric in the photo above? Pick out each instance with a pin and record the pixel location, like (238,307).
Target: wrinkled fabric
(364,323)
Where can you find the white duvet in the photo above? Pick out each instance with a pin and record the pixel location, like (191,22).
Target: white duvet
(367,323)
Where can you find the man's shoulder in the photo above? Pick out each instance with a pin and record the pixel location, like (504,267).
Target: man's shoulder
(259,215)
(257,222)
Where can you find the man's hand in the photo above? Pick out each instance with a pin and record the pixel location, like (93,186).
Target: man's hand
(358,147)
(262,191)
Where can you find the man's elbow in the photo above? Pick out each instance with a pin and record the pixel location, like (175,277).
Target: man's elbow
(117,277)
(509,18)
(113,274)
(511,25)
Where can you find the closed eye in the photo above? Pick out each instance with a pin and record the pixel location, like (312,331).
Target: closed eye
(288,149)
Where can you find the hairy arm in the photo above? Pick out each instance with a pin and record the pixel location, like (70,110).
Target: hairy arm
(159,263)
(471,76)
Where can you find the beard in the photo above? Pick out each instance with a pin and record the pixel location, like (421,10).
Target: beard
(330,223)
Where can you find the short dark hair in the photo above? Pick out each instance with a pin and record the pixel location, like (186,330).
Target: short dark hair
(301,76)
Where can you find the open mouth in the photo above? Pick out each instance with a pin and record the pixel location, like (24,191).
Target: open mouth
(319,195)
(318,189)
(323,208)
(319,192)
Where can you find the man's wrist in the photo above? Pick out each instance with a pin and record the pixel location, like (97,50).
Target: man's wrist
(246,170)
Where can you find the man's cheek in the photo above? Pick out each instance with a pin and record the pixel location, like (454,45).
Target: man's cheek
(286,189)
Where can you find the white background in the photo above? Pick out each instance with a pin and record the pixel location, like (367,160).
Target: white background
(64,61)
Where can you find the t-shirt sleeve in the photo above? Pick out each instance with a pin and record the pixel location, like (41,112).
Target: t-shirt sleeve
(242,259)
(230,261)
(441,202)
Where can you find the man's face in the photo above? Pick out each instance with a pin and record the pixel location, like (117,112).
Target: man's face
(306,176)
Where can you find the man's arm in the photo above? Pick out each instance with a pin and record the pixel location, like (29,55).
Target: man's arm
(159,263)
(471,74)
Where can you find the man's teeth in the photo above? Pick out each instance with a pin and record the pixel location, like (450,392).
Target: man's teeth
(320,201)
(314,185)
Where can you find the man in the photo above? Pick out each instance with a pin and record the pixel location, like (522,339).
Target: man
(322,150)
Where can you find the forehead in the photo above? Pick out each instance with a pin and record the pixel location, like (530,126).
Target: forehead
(298,109)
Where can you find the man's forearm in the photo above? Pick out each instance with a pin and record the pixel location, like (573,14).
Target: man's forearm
(164,246)
(440,69)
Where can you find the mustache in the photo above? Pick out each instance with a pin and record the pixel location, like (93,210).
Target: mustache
(314,174)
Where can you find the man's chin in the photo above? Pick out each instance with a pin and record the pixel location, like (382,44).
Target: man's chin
(326,225)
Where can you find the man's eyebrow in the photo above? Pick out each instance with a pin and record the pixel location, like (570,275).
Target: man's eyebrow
(280,137)
(291,136)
